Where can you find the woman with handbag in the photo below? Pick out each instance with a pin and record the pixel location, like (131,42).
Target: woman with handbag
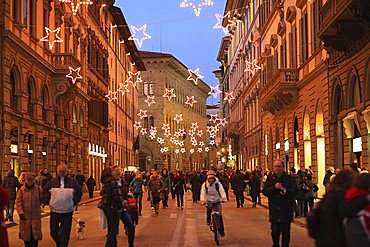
(166,187)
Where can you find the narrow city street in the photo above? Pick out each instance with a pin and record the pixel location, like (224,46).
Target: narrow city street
(173,227)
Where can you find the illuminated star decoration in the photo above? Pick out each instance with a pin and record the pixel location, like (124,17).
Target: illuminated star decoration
(137,124)
(206,149)
(222,122)
(76,6)
(212,142)
(52,39)
(218,25)
(252,66)
(215,90)
(200,133)
(166,127)
(153,132)
(160,140)
(229,97)
(123,88)
(144,36)
(143,131)
(183,150)
(192,150)
(190,101)
(197,9)
(177,151)
(201,143)
(230,21)
(142,114)
(74,74)
(200,150)
(150,100)
(194,125)
(164,150)
(178,118)
(111,96)
(214,118)
(170,93)
(131,78)
(194,74)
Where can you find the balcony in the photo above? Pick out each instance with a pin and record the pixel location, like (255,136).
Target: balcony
(61,61)
(281,90)
(344,23)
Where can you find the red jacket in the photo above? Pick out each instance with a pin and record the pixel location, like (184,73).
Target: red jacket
(4,198)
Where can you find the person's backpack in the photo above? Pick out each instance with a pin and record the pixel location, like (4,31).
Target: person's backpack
(217,185)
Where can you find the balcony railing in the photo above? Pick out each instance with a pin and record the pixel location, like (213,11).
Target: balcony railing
(280,90)
(64,60)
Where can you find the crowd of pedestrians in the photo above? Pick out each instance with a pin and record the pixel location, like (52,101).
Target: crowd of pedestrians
(290,195)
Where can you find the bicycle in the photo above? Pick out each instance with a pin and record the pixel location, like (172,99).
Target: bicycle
(215,219)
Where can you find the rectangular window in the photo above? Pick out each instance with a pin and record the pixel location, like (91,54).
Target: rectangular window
(25,12)
(33,16)
(151,89)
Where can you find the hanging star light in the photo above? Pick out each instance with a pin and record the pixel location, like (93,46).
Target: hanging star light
(194,143)
(192,150)
(150,100)
(164,150)
(252,67)
(144,36)
(181,143)
(190,101)
(222,122)
(137,124)
(142,114)
(194,76)
(206,149)
(194,126)
(75,5)
(160,140)
(191,132)
(201,143)
(178,118)
(212,142)
(200,150)
(214,119)
(218,25)
(170,93)
(74,74)
(123,88)
(197,9)
(52,37)
(152,136)
(132,76)
(167,133)
(200,133)
(177,151)
(215,90)
(111,95)
(183,150)
(172,140)
(229,97)
(230,21)
(143,131)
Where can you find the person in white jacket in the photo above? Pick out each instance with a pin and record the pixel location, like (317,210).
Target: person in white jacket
(212,194)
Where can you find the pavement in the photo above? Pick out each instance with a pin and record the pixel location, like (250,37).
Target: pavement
(174,227)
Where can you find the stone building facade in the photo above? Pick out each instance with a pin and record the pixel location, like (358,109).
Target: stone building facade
(48,118)
(307,102)
(165,71)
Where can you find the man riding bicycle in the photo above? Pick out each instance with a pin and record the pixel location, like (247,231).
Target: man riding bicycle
(213,194)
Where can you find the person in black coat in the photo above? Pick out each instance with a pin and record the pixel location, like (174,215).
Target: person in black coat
(225,181)
(255,187)
(195,186)
(280,189)
(325,222)
(180,187)
(238,186)
(91,183)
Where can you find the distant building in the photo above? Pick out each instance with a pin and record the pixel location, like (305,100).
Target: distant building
(164,71)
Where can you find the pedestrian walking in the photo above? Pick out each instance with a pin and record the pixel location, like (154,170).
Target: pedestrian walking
(180,188)
(238,186)
(155,187)
(280,188)
(225,181)
(4,199)
(112,205)
(329,173)
(61,194)
(11,184)
(81,180)
(91,183)
(136,186)
(166,187)
(312,190)
(28,204)
(302,194)
(195,186)
(255,188)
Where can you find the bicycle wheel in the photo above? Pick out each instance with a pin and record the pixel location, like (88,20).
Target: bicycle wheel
(215,228)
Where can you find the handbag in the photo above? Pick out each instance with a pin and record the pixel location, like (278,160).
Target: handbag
(102,219)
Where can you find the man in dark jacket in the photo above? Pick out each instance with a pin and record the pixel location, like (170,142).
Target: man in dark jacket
(81,180)
(281,190)
(238,185)
(61,194)
(225,181)
(11,184)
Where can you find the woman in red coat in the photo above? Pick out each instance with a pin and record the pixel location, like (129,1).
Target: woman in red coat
(4,199)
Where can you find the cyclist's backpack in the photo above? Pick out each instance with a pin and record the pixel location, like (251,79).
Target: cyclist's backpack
(217,188)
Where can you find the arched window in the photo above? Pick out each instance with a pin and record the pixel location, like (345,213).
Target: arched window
(31,97)
(82,121)
(146,124)
(66,117)
(13,93)
(45,103)
(74,118)
(151,119)
(355,97)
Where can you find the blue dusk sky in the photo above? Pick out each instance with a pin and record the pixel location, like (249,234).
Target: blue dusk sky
(178,31)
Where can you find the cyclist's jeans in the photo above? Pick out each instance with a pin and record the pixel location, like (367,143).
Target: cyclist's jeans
(209,211)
